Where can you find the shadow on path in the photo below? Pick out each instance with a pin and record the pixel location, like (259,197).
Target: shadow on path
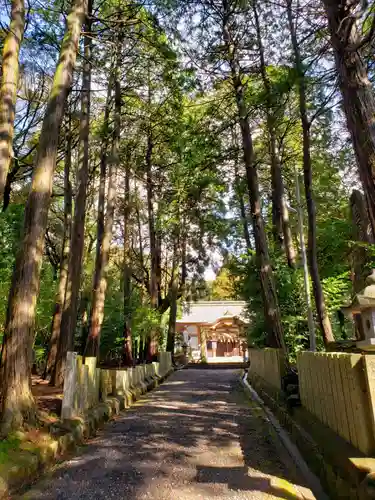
(195,437)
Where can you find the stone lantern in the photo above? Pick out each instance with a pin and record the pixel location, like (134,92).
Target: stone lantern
(364,305)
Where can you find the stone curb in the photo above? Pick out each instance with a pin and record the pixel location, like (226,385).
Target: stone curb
(311,480)
(64,437)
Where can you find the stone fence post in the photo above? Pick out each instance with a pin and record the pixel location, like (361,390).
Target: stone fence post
(69,407)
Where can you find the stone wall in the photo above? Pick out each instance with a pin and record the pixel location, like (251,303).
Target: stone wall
(86,385)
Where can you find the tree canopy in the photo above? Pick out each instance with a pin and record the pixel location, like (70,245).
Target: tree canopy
(144,144)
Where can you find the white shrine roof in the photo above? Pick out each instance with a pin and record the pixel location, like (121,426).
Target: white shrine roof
(210,311)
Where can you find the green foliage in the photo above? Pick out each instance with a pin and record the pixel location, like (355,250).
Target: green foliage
(334,240)
(185,108)
(10,227)
(248,287)
(290,288)
(224,287)
(338,291)
(7,446)
(289,284)
(144,319)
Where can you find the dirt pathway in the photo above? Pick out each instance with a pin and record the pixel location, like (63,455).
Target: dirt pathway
(195,437)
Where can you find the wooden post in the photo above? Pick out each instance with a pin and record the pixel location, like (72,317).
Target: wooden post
(369,366)
(202,335)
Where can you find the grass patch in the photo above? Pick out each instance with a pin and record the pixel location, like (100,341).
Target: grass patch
(8,447)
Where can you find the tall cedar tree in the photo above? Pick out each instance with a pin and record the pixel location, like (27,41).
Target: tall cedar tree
(64,260)
(356,88)
(280,213)
(9,85)
(323,318)
(127,352)
(17,402)
(271,307)
(104,239)
(69,317)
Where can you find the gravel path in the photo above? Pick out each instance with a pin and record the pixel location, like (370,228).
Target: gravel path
(195,437)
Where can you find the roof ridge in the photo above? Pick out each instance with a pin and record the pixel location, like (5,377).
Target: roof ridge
(218,302)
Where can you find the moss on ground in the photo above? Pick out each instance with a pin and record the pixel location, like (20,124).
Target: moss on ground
(7,447)
(22,454)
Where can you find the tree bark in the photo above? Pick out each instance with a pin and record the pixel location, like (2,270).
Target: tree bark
(360,258)
(151,226)
(154,288)
(8,89)
(271,307)
(69,317)
(173,305)
(280,214)
(104,243)
(140,239)
(240,197)
(17,403)
(158,251)
(127,353)
(64,261)
(357,92)
(102,179)
(323,318)
(101,196)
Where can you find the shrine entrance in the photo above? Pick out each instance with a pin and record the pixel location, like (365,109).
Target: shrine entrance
(225,338)
(214,330)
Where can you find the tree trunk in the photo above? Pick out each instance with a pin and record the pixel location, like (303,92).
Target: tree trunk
(357,92)
(69,317)
(104,244)
(360,257)
(140,239)
(8,89)
(280,214)
(173,301)
(271,307)
(83,316)
(17,403)
(154,288)
(127,353)
(151,226)
(141,350)
(323,318)
(245,226)
(101,196)
(158,251)
(240,197)
(183,257)
(64,261)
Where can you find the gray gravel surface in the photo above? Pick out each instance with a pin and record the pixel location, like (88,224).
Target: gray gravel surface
(195,437)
